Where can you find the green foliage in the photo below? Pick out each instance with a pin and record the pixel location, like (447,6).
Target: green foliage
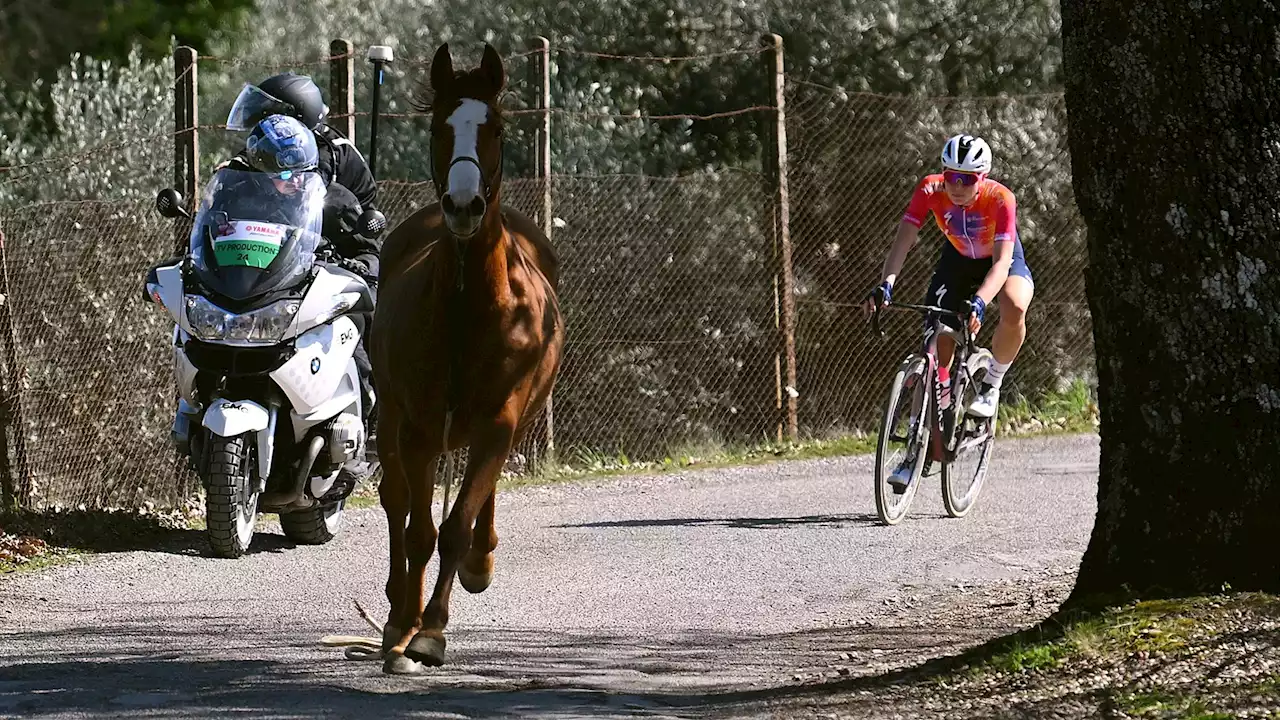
(111,136)
(40,37)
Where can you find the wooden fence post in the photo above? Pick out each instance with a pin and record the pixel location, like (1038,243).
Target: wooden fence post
(540,78)
(15,480)
(342,88)
(186,178)
(775,165)
(186,143)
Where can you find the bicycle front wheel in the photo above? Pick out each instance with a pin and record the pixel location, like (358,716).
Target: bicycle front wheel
(964,473)
(900,450)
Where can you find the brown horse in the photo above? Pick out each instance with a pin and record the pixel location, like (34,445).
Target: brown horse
(465,345)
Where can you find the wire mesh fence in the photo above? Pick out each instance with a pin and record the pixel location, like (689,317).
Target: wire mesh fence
(669,267)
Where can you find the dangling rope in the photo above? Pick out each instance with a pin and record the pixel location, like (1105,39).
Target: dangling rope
(358,648)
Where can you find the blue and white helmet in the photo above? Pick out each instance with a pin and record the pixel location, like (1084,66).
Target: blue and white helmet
(281,145)
(966,153)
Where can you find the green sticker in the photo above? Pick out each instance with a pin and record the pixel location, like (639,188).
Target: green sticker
(245,253)
(248,244)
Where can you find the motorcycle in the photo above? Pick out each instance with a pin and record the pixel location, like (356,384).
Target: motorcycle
(270,402)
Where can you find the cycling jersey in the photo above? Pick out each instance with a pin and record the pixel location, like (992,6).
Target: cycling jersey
(973,230)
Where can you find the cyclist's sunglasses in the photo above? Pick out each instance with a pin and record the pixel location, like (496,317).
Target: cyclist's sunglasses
(961,178)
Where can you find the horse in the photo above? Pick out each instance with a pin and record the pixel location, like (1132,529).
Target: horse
(466,345)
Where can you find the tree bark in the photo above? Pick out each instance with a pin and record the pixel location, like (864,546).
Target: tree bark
(1174,129)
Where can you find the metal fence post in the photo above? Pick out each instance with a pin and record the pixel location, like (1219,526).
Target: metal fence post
(186,176)
(775,165)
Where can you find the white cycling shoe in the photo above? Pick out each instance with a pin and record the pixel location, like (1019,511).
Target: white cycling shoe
(985,404)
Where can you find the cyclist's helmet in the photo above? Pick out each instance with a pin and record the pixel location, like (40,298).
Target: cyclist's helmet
(281,146)
(285,94)
(966,153)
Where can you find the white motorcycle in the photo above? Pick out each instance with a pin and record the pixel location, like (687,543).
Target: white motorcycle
(270,405)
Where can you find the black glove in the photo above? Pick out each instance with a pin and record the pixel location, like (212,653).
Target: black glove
(355,265)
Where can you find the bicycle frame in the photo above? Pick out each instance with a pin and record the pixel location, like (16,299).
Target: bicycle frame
(941,423)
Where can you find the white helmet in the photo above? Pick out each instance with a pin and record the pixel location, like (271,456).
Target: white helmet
(966,153)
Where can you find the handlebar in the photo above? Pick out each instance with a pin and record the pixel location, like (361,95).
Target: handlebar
(961,315)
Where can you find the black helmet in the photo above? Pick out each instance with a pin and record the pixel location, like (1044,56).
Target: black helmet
(285,94)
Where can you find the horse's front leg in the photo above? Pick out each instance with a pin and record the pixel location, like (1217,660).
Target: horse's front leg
(476,571)
(417,458)
(393,492)
(490,445)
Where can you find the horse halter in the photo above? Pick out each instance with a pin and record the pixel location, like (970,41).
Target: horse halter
(489,181)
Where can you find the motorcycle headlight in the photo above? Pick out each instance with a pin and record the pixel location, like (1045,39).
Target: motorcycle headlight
(264,325)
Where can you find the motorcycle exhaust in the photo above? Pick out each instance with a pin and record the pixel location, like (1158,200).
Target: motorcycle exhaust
(296,498)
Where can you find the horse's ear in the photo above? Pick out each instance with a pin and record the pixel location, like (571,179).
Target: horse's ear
(442,69)
(491,65)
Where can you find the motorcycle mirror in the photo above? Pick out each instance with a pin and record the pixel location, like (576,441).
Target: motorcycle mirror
(169,203)
(372,223)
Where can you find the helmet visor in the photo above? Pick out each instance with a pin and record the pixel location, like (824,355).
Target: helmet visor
(252,105)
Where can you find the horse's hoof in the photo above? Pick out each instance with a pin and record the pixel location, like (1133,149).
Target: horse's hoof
(397,664)
(426,649)
(476,581)
(391,637)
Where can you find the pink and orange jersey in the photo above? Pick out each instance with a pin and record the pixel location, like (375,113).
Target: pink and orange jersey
(973,230)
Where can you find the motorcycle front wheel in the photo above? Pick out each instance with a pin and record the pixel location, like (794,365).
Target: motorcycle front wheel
(231,501)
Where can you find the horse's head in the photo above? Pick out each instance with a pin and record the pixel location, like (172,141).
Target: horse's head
(466,138)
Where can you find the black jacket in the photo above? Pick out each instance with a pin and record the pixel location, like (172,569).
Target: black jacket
(340,161)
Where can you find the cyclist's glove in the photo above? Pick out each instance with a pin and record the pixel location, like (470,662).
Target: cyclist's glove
(881,293)
(979,307)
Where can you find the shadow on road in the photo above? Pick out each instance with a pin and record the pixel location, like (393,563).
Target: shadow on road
(108,532)
(155,674)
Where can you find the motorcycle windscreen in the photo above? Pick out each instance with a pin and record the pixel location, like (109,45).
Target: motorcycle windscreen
(257,233)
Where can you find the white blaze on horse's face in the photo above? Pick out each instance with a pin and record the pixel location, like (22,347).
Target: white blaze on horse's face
(463,200)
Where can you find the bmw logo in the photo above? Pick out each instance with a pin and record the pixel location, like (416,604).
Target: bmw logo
(315,365)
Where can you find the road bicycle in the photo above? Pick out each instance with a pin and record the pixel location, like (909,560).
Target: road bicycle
(954,437)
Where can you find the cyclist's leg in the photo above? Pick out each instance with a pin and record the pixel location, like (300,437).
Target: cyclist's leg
(945,286)
(955,279)
(1014,299)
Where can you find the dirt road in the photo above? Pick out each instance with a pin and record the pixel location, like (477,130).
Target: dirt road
(625,597)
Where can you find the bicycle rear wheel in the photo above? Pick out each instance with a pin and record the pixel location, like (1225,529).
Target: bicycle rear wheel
(964,474)
(907,407)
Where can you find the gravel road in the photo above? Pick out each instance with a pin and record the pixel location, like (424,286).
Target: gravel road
(624,597)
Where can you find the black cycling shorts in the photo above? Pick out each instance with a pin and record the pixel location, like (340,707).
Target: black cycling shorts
(956,278)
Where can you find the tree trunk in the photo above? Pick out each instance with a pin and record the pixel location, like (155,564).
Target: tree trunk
(1174,115)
